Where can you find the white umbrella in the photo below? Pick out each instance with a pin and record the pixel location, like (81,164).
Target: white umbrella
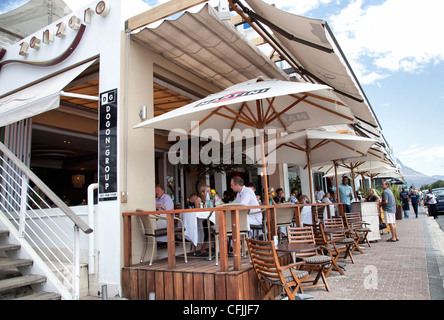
(310,147)
(256,104)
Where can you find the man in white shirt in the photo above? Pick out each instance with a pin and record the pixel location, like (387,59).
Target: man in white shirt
(431,202)
(163,202)
(246,196)
(319,193)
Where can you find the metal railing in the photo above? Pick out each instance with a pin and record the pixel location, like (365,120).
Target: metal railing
(42,220)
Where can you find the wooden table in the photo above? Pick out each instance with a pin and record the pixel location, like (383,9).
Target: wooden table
(294,248)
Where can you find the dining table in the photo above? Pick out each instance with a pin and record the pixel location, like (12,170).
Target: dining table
(193,223)
(295,248)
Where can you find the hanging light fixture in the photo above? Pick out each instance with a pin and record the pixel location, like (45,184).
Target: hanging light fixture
(78,180)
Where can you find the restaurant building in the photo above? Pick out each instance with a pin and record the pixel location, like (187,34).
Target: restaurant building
(72,93)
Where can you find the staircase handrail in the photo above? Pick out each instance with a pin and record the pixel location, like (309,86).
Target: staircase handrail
(82,225)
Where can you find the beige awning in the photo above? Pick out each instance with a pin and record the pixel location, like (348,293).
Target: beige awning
(38,98)
(210,48)
(317,52)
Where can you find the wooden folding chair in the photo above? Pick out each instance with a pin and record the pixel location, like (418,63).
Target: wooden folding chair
(314,260)
(329,248)
(340,238)
(271,274)
(357,227)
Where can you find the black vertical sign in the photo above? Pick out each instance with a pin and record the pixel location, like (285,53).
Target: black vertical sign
(108,146)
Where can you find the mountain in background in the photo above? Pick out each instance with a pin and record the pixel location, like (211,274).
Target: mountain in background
(415,178)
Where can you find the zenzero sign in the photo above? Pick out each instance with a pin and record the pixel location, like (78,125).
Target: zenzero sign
(108,146)
(48,36)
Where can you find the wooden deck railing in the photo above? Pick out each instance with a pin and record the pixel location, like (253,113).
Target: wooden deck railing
(271,229)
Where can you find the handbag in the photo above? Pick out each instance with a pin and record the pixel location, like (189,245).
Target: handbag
(382,225)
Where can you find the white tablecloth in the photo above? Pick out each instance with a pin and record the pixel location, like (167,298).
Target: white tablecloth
(192,222)
(306,216)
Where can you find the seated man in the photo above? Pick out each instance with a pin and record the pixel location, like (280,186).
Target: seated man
(246,196)
(163,202)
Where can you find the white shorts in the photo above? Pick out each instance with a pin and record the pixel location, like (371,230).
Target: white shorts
(389,217)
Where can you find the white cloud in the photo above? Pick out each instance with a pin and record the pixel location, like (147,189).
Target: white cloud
(398,35)
(298,7)
(427,160)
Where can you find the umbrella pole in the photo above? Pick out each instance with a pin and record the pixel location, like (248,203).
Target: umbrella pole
(265,180)
(308,151)
(336,177)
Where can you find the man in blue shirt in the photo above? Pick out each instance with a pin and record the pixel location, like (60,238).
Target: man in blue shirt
(345,194)
(414,197)
(405,202)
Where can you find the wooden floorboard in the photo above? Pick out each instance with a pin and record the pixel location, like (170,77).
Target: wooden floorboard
(199,279)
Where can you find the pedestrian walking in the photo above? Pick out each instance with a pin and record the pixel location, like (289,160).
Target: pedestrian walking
(414,198)
(431,203)
(405,202)
(388,205)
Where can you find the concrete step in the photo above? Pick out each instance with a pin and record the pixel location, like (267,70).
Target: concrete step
(4,233)
(18,282)
(40,296)
(9,247)
(7,264)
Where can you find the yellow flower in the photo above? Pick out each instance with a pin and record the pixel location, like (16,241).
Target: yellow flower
(272,193)
(213,191)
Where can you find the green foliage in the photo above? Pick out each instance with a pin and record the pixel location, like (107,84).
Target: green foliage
(397,195)
(436,184)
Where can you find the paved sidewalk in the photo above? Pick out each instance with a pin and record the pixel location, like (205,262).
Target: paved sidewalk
(410,269)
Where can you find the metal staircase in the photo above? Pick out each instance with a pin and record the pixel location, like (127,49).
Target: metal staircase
(15,285)
(39,237)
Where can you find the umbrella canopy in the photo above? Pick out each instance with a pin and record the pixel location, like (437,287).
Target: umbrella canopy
(261,104)
(309,147)
(239,110)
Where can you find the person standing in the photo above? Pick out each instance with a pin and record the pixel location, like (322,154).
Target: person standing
(388,205)
(405,202)
(319,193)
(414,198)
(345,194)
(431,203)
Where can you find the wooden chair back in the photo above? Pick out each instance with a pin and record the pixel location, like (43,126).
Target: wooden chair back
(264,258)
(318,235)
(302,235)
(353,220)
(335,223)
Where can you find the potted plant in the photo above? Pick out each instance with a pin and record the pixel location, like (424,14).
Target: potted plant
(396,193)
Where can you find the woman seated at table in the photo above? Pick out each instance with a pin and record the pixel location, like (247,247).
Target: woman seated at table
(200,200)
(322,211)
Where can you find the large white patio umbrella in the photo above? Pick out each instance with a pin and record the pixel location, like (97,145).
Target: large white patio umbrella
(374,158)
(256,105)
(313,146)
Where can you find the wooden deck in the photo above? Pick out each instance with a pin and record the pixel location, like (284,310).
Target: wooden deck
(198,279)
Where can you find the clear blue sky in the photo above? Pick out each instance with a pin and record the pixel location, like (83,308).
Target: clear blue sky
(395,48)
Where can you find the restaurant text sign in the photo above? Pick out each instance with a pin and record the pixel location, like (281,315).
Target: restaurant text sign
(108,146)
